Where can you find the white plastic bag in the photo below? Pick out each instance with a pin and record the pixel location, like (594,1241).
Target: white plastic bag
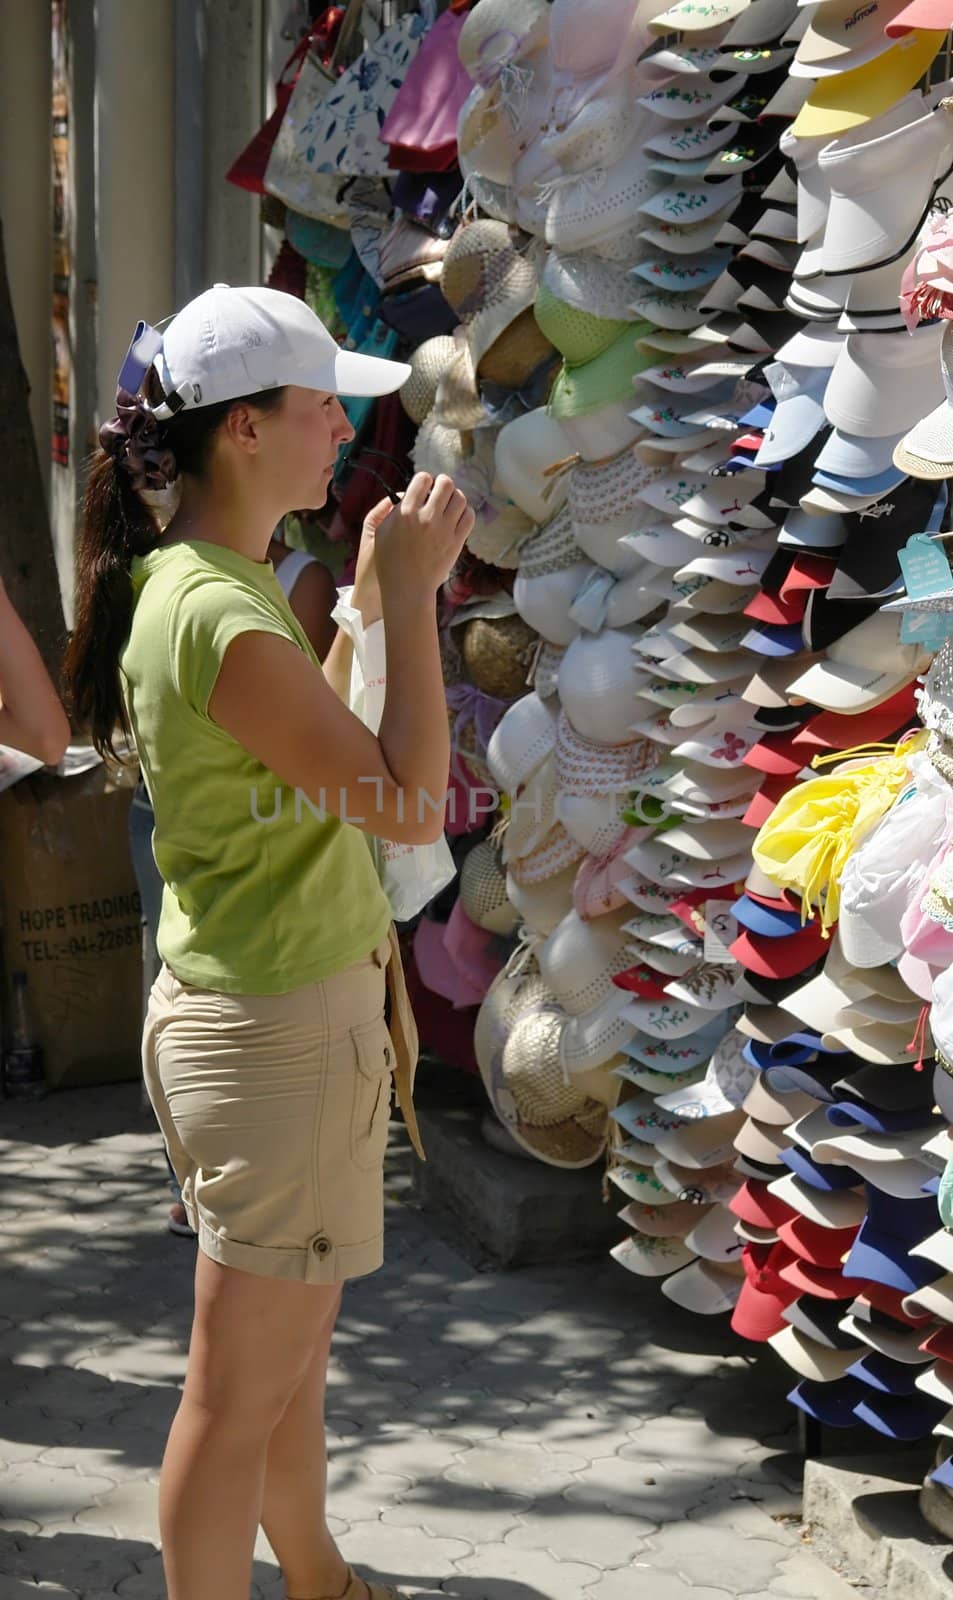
(411,874)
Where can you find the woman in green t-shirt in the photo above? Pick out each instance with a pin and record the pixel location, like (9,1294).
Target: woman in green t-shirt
(265,1049)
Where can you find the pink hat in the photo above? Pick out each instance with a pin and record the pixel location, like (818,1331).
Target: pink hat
(472,950)
(930,14)
(436,969)
(598,886)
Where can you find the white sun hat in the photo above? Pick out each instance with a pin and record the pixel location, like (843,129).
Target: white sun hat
(499,32)
(521,741)
(881,188)
(882,383)
(549,576)
(580,959)
(483,890)
(542,906)
(604,506)
(593,1039)
(866,666)
(927,450)
(583,208)
(525,449)
(597,683)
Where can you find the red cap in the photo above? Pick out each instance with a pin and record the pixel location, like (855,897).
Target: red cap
(783,899)
(641,980)
(764,1295)
(780,958)
(821,1247)
(935,15)
(764,802)
(890,1302)
(825,1282)
(688,905)
(939,1343)
(770,608)
(833,731)
(758,1207)
(748,441)
(806,573)
(777,755)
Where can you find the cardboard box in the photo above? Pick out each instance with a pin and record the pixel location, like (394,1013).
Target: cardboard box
(70,919)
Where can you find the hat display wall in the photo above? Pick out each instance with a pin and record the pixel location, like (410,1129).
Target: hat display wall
(700,397)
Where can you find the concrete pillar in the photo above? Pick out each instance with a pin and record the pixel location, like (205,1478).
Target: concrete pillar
(135,176)
(25,194)
(235,77)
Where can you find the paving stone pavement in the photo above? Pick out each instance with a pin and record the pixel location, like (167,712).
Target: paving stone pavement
(550,1434)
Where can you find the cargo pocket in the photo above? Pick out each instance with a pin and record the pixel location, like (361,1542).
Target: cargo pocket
(373,1092)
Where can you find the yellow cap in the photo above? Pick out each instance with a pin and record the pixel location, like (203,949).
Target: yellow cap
(847,99)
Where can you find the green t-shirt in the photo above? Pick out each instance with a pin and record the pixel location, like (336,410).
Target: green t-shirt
(261,895)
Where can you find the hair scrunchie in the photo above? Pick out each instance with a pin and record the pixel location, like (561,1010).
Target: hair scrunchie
(132,437)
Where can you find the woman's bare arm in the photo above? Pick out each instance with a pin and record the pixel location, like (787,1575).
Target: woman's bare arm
(31,716)
(390,785)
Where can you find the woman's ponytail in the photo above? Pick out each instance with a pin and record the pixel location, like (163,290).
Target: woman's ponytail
(117,525)
(138,454)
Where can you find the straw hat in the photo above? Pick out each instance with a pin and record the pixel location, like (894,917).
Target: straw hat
(514,357)
(427,365)
(488,278)
(562,1123)
(580,959)
(483,890)
(497,653)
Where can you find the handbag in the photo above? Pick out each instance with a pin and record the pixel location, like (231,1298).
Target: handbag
(331,128)
(410,874)
(248,169)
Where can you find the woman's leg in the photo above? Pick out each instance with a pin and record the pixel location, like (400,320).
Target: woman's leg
(293,1511)
(254,1340)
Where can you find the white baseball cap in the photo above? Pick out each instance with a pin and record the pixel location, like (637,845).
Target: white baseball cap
(228,343)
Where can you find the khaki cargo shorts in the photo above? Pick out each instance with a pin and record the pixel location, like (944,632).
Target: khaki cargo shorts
(275,1112)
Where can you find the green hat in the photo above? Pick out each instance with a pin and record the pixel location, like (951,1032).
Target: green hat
(587,386)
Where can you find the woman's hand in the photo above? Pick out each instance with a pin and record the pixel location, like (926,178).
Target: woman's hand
(419,541)
(366,597)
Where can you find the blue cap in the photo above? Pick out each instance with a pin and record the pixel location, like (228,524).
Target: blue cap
(758,1054)
(774,642)
(827,1178)
(816,1078)
(830,1403)
(881,1250)
(943,1474)
(859,1113)
(764,919)
(900,1416)
(760,416)
(879,1372)
(881,484)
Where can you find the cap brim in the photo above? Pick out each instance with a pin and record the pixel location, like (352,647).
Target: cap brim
(364,377)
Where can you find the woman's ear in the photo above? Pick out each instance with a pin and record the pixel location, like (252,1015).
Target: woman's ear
(241,427)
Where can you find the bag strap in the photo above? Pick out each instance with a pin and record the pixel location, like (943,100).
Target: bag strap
(346,31)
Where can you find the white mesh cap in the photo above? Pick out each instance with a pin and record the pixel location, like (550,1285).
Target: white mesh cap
(580,959)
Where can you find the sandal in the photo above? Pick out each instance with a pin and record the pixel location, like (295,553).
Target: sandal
(355,1586)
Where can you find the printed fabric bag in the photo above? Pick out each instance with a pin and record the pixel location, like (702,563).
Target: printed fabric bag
(331,128)
(410,874)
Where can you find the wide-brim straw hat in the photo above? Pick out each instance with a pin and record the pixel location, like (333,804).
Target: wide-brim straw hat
(580,959)
(428,363)
(554,1116)
(498,652)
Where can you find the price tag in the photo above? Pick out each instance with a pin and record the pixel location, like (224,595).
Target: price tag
(926,572)
(721,930)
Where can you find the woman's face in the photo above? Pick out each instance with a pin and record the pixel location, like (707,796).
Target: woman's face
(300,443)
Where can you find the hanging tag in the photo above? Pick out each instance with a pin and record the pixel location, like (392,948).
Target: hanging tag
(926,571)
(721,930)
